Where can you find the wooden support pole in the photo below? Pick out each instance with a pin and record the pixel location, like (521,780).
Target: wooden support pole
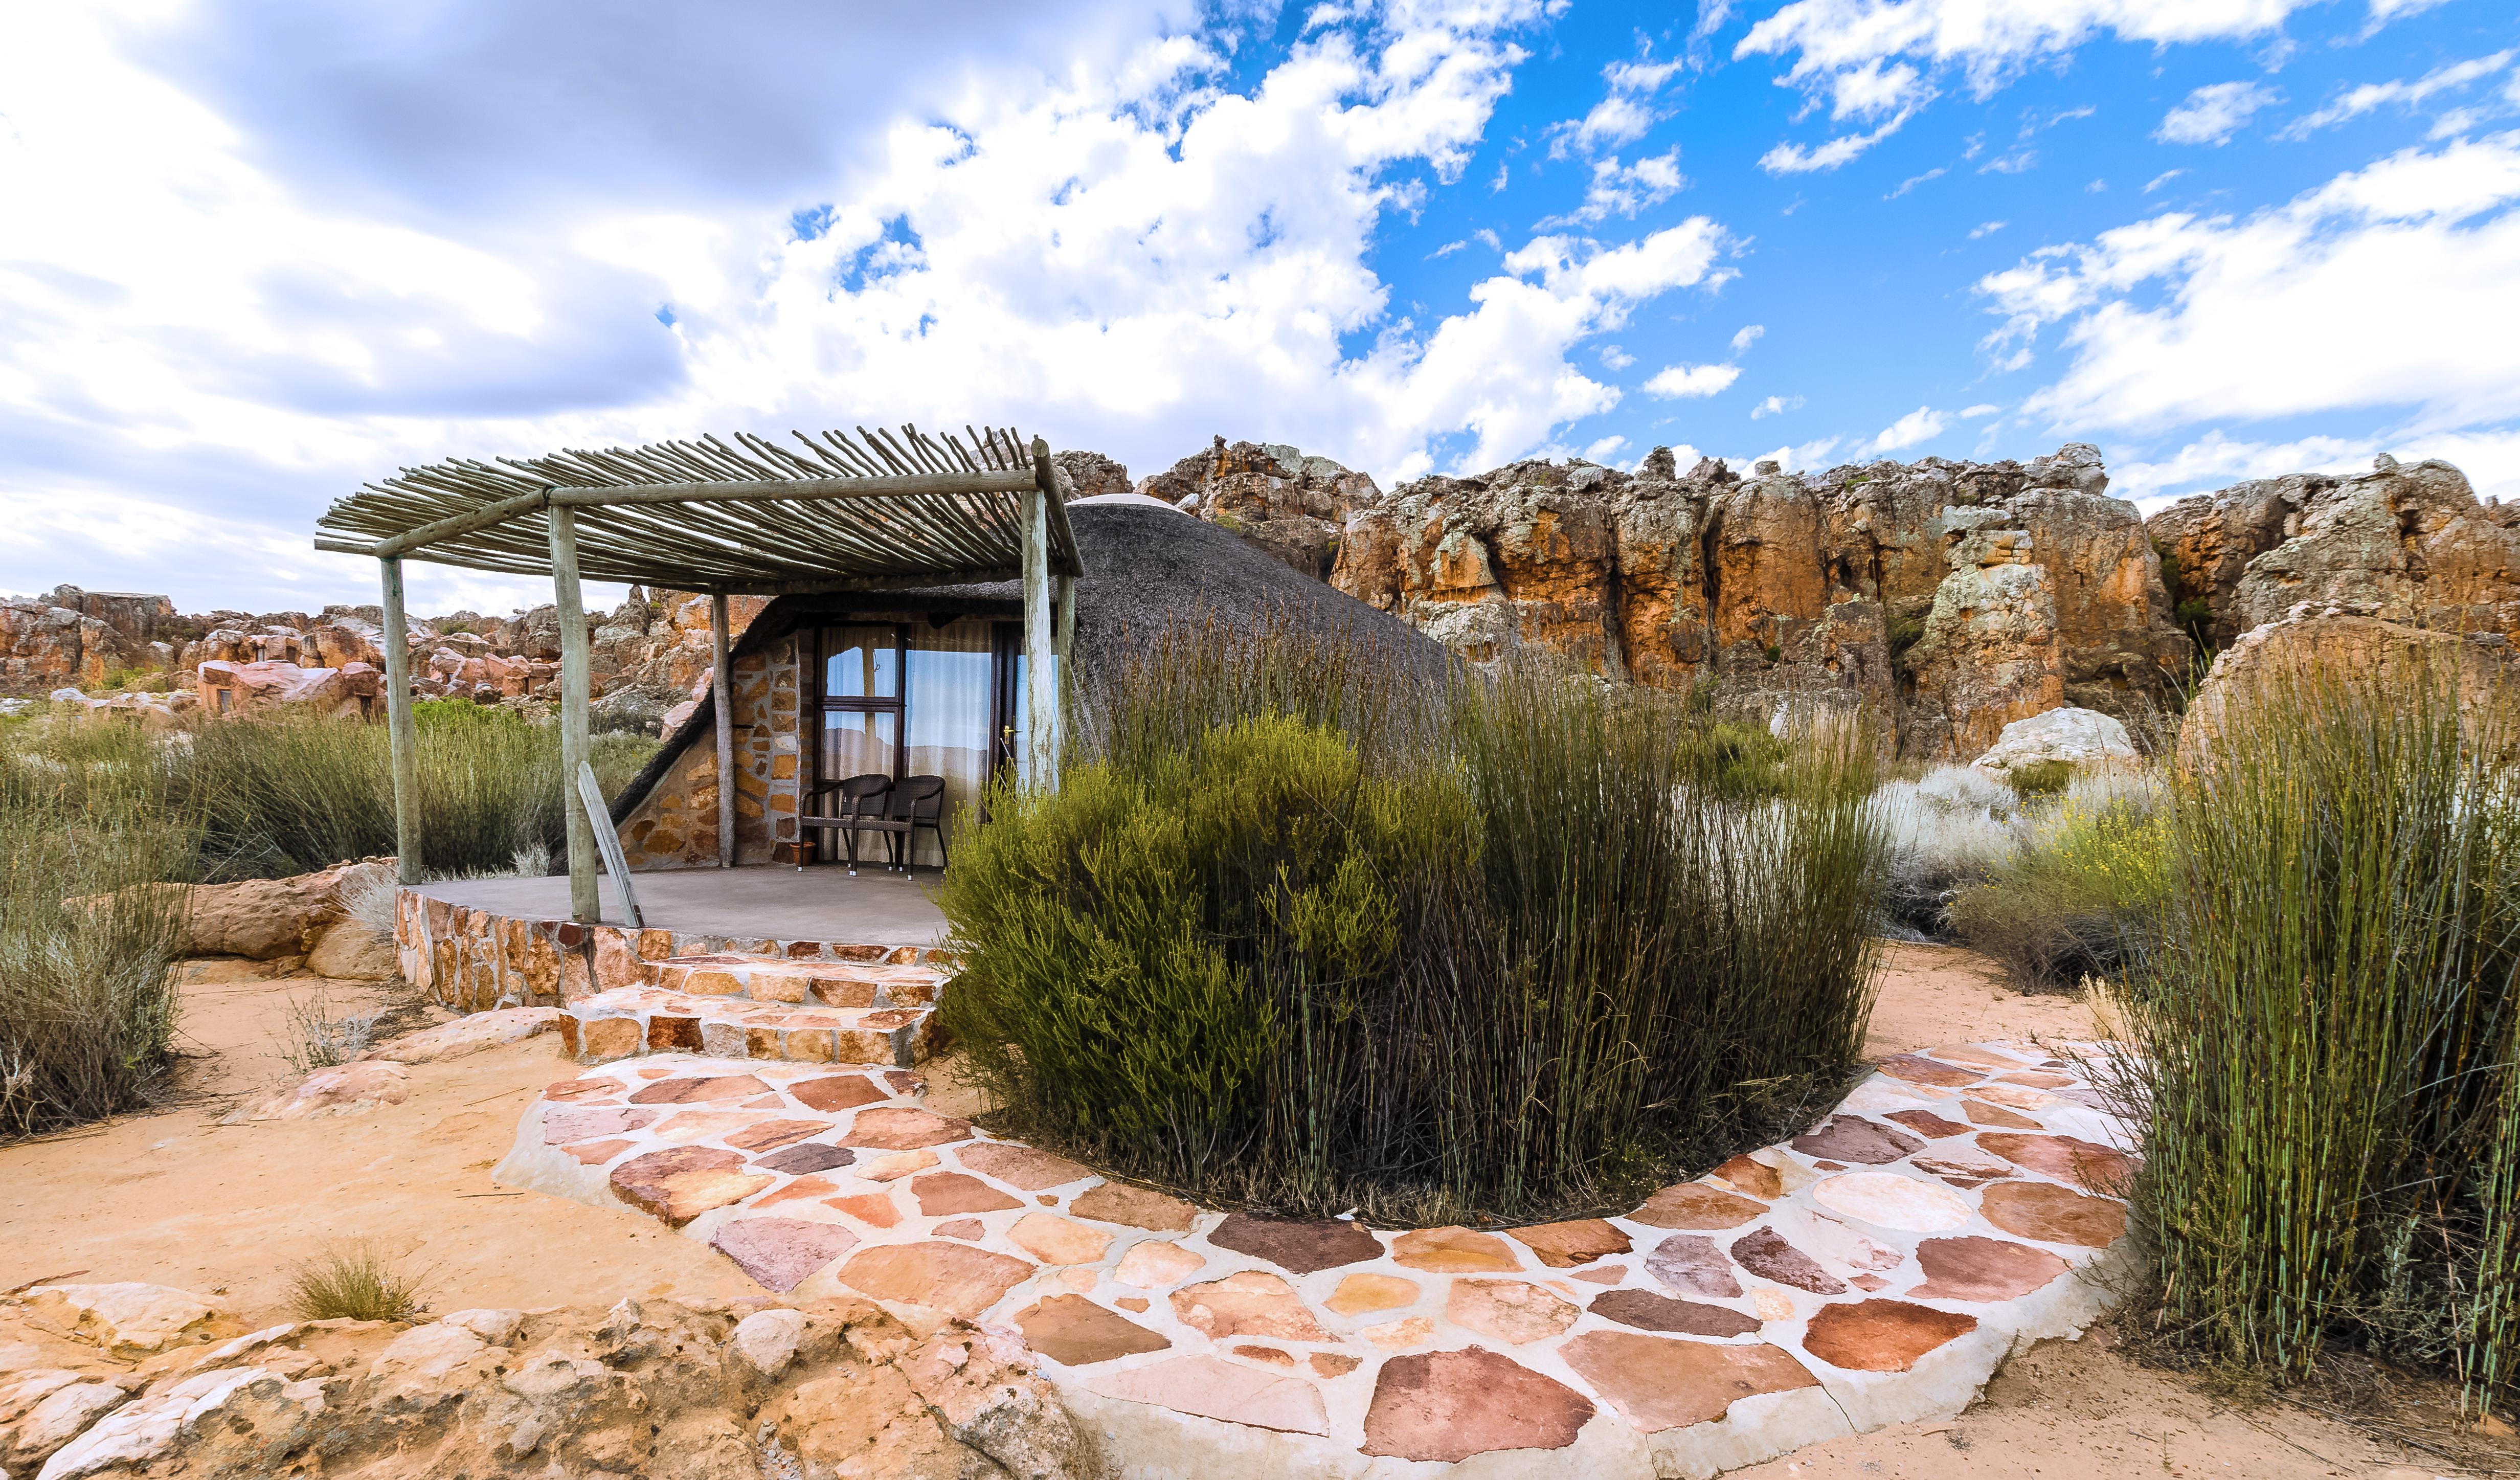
(574,683)
(722,671)
(1041,662)
(402,736)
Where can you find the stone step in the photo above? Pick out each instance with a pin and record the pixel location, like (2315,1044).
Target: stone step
(778,979)
(629,1021)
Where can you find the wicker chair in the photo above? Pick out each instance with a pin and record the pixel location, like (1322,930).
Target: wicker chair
(919,802)
(864,805)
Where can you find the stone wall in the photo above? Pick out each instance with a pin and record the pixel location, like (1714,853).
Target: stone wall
(472,959)
(676,825)
(1954,596)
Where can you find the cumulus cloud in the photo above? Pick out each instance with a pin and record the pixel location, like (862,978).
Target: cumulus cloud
(1746,335)
(1691,382)
(1124,246)
(2355,102)
(2344,298)
(1986,229)
(1775,406)
(1918,426)
(2214,112)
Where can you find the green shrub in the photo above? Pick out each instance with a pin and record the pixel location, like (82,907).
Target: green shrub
(1510,960)
(355,1279)
(2326,1040)
(2082,896)
(2041,778)
(87,1011)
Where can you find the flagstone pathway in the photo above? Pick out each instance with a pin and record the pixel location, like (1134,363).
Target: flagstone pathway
(1872,1271)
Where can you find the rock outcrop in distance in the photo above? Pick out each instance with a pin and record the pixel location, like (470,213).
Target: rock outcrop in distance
(1955,598)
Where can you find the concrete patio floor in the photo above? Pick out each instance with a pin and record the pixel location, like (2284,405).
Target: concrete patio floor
(818,903)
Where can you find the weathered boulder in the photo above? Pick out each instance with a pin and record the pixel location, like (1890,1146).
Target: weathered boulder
(1955,597)
(359,1088)
(2336,643)
(470,1034)
(1291,505)
(1089,475)
(2407,545)
(354,950)
(129,1319)
(2074,736)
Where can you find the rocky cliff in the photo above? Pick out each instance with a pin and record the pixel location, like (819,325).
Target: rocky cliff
(1957,596)
(2407,545)
(1293,505)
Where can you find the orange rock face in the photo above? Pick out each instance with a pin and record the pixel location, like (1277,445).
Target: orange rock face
(1952,596)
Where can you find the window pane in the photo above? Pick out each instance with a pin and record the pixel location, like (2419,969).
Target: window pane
(862,663)
(854,745)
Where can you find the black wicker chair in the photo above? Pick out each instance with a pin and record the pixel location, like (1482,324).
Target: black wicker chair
(919,802)
(864,805)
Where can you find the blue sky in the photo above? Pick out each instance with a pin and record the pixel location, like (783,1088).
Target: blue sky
(258,254)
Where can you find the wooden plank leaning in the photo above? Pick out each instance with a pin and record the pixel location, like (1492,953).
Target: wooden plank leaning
(608,843)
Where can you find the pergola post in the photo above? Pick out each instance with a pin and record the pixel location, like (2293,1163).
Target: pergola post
(1040,760)
(722,677)
(402,737)
(583,906)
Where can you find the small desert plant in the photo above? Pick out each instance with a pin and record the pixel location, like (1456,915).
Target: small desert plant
(2041,778)
(2326,1038)
(314,1039)
(2082,895)
(355,1279)
(1950,828)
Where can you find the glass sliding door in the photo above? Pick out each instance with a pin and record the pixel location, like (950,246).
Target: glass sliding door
(909,698)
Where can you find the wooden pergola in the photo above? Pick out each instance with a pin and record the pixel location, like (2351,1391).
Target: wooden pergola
(745,518)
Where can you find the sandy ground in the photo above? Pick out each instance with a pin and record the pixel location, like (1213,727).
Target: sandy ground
(172,1197)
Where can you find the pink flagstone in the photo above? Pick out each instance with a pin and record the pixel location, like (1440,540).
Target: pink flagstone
(1448,1405)
(1211,1388)
(780,1252)
(1658,1383)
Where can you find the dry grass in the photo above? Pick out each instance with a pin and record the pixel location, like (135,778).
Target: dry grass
(355,1279)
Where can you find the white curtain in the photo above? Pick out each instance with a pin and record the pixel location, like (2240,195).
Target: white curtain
(948,699)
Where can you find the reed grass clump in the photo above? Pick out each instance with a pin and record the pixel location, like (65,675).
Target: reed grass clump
(87,1012)
(2327,1032)
(1319,933)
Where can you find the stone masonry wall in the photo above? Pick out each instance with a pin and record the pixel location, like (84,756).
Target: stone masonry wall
(474,960)
(676,826)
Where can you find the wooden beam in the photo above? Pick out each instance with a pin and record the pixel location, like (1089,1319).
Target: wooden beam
(721,677)
(1062,539)
(402,736)
(574,682)
(1066,638)
(1036,767)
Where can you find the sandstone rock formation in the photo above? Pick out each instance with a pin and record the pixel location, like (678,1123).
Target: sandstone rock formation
(2337,640)
(1957,596)
(1291,505)
(2408,545)
(825,1389)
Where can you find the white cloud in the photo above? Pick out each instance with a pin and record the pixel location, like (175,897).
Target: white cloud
(1796,160)
(1615,358)
(1604,449)
(1981,409)
(2355,102)
(2214,112)
(1913,181)
(1986,229)
(1619,189)
(1689,381)
(1746,335)
(2161,179)
(1624,113)
(1801,457)
(1126,254)
(1918,426)
(1844,49)
(1775,406)
(2351,295)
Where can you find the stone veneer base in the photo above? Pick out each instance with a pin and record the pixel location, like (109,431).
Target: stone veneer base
(1877,1270)
(475,959)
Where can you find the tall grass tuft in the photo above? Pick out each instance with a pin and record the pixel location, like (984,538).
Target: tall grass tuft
(1323,934)
(2084,892)
(2327,1034)
(86,1009)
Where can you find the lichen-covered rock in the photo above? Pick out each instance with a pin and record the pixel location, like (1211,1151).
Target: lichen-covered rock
(2407,545)
(1957,596)
(1294,507)
(2340,643)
